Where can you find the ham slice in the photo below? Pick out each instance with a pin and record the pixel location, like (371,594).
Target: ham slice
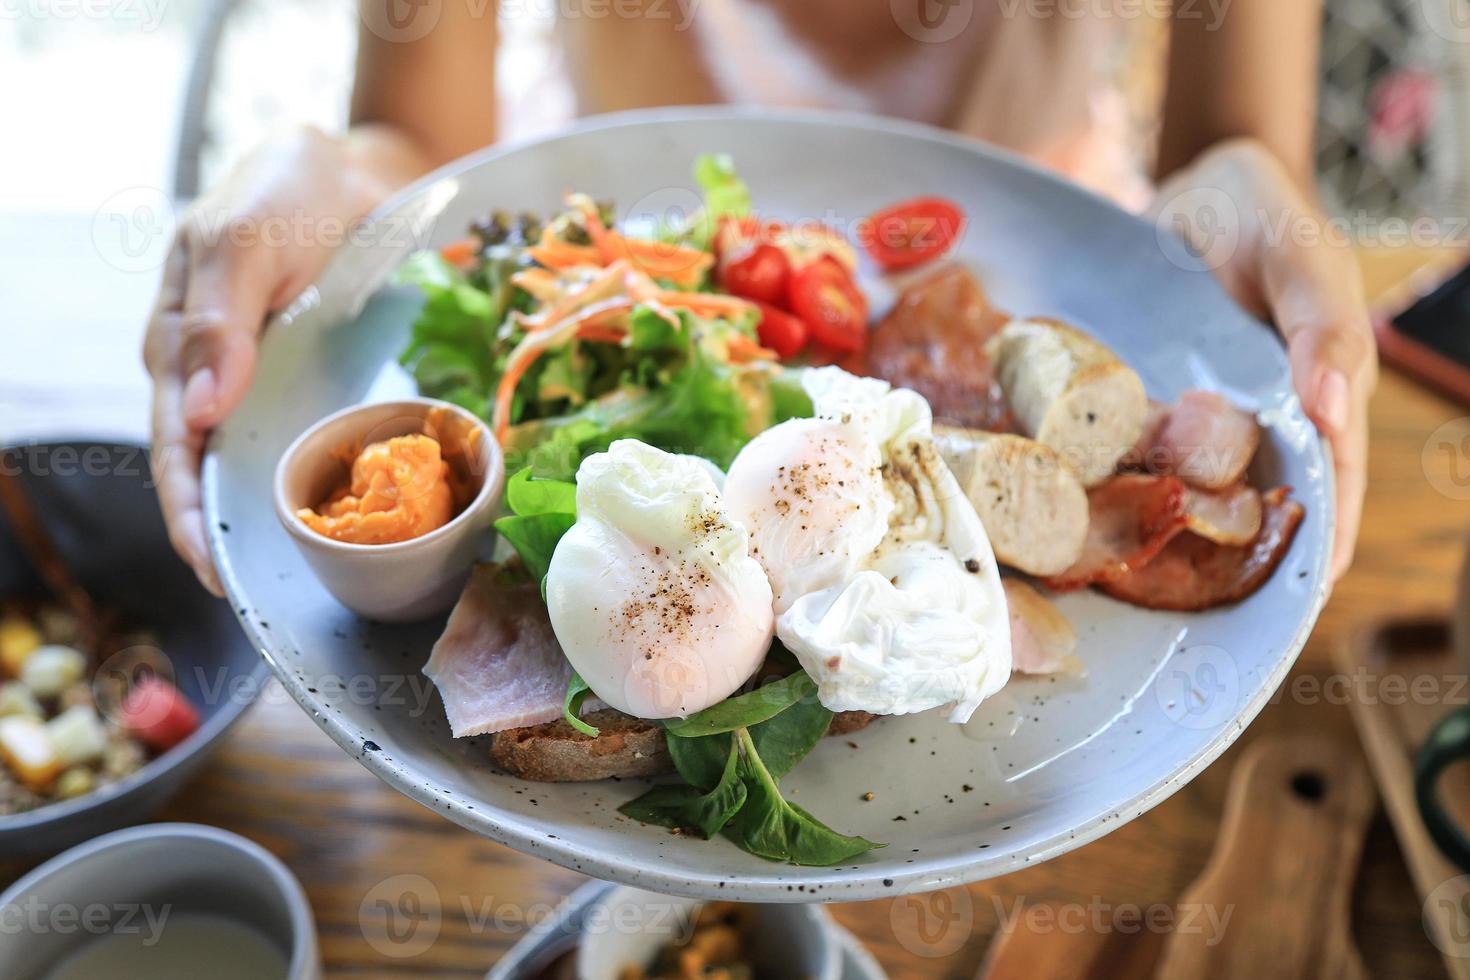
(1130,519)
(1192,573)
(498,664)
(1231,516)
(933,341)
(1204,440)
(1042,639)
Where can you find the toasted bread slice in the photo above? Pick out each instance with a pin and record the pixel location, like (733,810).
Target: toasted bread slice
(625,748)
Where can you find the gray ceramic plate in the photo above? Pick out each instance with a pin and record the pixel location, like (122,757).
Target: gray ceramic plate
(1049,765)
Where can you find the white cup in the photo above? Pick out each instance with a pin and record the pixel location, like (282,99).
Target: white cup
(406,580)
(144,878)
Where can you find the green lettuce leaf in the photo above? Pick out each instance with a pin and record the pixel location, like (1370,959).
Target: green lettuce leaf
(725,195)
(541,512)
(452,348)
(679,396)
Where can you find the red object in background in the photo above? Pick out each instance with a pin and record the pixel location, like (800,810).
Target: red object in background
(157,713)
(1402,112)
(780,331)
(824,294)
(757,272)
(911,232)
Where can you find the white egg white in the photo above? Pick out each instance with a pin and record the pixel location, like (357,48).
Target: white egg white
(886,587)
(811,494)
(653,594)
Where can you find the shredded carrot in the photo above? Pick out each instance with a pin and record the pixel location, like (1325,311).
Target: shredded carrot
(675,263)
(540,283)
(704,304)
(563,255)
(605,333)
(461,253)
(743,350)
(663,260)
(609,245)
(604,286)
(538,342)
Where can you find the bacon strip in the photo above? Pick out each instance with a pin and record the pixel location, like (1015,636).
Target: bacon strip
(1131,519)
(933,341)
(1042,639)
(1193,574)
(1204,440)
(498,664)
(1231,516)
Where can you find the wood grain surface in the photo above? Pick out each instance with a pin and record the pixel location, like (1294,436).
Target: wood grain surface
(281,782)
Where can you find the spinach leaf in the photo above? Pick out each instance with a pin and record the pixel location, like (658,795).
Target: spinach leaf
(785,740)
(528,497)
(769,827)
(577,691)
(542,511)
(686,806)
(534,538)
(700,760)
(746,710)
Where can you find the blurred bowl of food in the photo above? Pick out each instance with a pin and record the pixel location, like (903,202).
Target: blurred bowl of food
(633,934)
(103,718)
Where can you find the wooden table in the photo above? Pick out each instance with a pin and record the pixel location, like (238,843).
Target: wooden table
(281,782)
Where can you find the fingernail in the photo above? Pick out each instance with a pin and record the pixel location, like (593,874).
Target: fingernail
(1332,400)
(211,582)
(200,398)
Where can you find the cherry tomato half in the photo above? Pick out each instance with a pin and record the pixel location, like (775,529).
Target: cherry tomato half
(733,234)
(756,272)
(780,331)
(824,294)
(911,232)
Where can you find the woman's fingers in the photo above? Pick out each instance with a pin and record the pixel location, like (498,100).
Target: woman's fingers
(1334,366)
(200,350)
(224,310)
(1315,297)
(1308,284)
(176,455)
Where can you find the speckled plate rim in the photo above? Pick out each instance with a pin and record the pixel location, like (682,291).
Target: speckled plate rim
(819,885)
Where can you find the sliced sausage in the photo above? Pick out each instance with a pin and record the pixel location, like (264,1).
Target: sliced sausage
(1071,393)
(1032,505)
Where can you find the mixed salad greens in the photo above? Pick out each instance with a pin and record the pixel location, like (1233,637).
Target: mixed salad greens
(568,335)
(517,329)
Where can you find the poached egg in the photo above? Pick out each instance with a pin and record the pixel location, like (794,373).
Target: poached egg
(653,594)
(884,583)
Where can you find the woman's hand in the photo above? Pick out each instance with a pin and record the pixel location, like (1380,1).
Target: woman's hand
(1239,209)
(243,251)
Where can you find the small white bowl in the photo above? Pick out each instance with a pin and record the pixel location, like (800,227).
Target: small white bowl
(629,926)
(139,880)
(406,580)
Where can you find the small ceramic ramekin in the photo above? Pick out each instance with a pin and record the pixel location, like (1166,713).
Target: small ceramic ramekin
(406,580)
(628,926)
